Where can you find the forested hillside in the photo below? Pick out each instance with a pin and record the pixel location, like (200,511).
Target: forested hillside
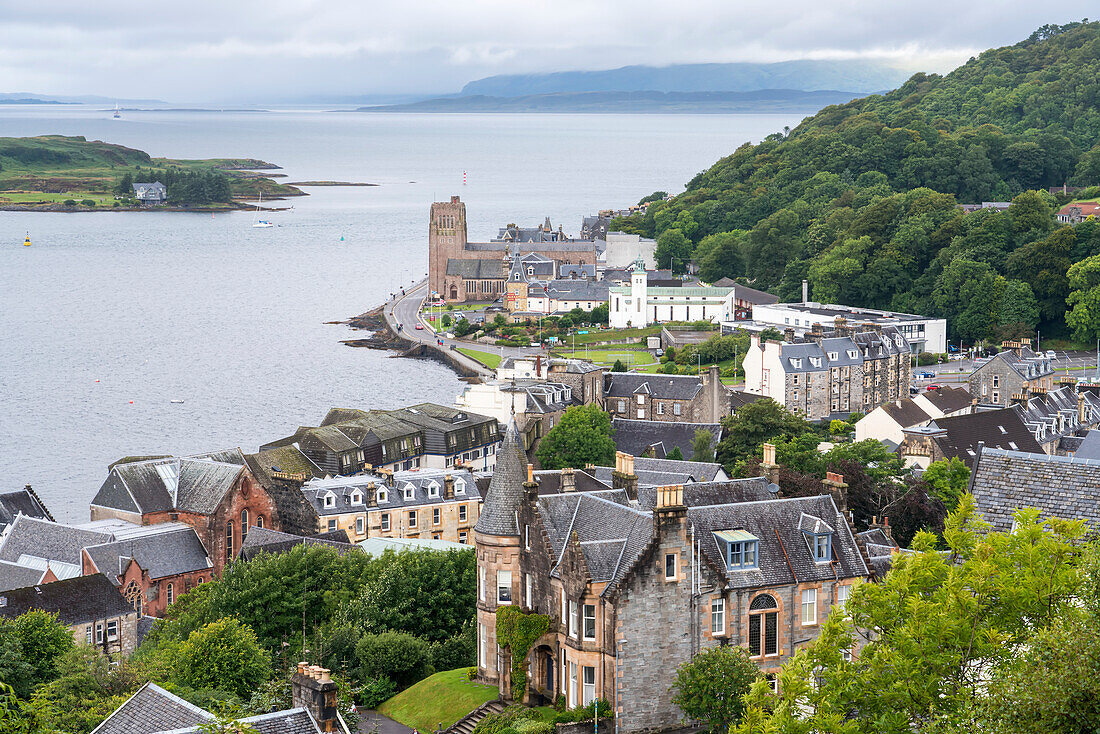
(861,198)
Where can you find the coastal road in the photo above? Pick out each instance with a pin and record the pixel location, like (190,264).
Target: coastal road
(405,310)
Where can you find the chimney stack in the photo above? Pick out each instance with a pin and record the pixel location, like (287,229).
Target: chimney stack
(771,469)
(568,480)
(788,335)
(312,688)
(624,477)
(838,489)
(805,291)
(448,487)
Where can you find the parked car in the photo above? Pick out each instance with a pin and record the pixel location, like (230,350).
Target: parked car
(933,387)
(925,375)
(1051,354)
(420,327)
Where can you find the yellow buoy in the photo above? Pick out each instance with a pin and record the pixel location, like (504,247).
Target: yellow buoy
(27,242)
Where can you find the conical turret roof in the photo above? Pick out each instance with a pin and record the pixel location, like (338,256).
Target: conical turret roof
(505,495)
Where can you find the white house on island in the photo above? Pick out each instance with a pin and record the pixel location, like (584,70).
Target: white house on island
(640,304)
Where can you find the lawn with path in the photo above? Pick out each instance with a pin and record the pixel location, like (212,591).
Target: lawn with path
(440,699)
(488,359)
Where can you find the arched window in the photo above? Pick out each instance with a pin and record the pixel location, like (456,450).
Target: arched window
(134,596)
(228,541)
(244,525)
(170,593)
(763,626)
(259,521)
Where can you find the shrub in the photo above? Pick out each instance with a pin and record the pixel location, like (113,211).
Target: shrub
(87,202)
(926,358)
(455,652)
(223,655)
(446,320)
(530,726)
(397,655)
(69,202)
(376,690)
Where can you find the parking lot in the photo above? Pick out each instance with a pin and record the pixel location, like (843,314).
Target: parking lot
(1077,364)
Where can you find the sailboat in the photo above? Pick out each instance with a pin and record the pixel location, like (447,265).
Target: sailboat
(261,223)
(27,242)
(117,113)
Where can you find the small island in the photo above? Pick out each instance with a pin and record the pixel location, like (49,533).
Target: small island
(66,174)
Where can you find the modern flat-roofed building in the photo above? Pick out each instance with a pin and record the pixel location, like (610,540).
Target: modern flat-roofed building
(923,333)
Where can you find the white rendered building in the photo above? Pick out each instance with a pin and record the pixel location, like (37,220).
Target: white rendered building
(641,305)
(924,334)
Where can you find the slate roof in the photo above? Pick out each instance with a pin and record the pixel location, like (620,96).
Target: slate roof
(21,502)
(702,494)
(612,534)
(266,540)
(1001,429)
(1058,486)
(580,271)
(490,269)
(740,398)
(636,436)
(44,539)
(168,549)
(665,472)
(1055,414)
(152,709)
(345,487)
(75,601)
(288,459)
(949,399)
(1090,446)
(1027,364)
(664,387)
(549,481)
(750,295)
(577,290)
(506,493)
(16,576)
(784,553)
(193,484)
(906,413)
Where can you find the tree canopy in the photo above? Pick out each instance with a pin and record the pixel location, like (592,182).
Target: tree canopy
(581,437)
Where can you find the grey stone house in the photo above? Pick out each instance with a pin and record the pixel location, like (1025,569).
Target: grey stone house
(1058,486)
(151,194)
(1015,372)
(636,587)
(670,398)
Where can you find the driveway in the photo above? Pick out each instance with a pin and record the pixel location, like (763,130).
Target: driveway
(372,721)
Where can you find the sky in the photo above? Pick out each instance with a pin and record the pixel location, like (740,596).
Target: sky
(247,50)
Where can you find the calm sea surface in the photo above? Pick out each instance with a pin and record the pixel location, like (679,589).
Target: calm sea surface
(109,317)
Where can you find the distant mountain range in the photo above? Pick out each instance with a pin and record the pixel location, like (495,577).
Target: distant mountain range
(765,100)
(858,76)
(32,98)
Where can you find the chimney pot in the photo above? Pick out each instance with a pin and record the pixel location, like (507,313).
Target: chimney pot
(302,667)
(531,473)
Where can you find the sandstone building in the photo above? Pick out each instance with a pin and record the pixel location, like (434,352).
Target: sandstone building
(637,585)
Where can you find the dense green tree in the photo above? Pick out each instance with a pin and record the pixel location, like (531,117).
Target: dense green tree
(949,479)
(752,425)
(702,446)
(581,437)
(1084,299)
(428,594)
(673,251)
(43,640)
(15,669)
(719,256)
(676,454)
(930,634)
(223,655)
(710,686)
(1043,265)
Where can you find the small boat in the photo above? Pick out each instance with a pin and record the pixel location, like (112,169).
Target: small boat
(261,223)
(27,242)
(176,402)
(118,113)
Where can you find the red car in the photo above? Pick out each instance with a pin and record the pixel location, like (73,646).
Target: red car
(934,387)
(420,327)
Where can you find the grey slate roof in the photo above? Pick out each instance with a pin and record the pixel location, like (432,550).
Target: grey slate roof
(14,576)
(665,472)
(21,502)
(48,540)
(476,269)
(158,485)
(152,709)
(636,436)
(549,481)
(578,290)
(1090,446)
(949,399)
(78,600)
(1055,414)
(506,493)
(344,489)
(612,534)
(668,387)
(266,540)
(906,413)
(995,428)
(174,551)
(1057,486)
(784,554)
(703,494)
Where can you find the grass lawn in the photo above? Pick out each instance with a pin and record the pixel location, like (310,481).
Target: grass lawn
(488,359)
(603,335)
(608,354)
(443,698)
(464,306)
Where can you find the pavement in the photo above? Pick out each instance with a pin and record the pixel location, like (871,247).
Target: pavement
(372,721)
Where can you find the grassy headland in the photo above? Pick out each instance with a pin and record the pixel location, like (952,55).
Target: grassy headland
(44,172)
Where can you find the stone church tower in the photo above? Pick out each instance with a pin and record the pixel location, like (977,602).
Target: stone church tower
(446,239)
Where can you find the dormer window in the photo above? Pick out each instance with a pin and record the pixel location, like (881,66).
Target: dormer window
(815,361)
(834,356)
(356,498)
(819,537)
(822,547)
(383,496)
(330,500)
(410,492)
(739,548)
(460,486)
(796,363)
(433,489)
(853,354)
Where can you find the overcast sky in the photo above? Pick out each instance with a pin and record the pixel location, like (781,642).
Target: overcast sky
(219,50)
